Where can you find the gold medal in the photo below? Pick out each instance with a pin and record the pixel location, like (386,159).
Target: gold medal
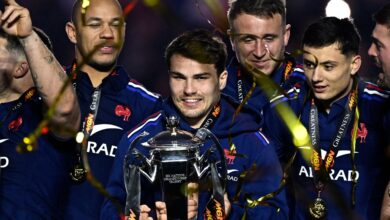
(318,209)
(78,173)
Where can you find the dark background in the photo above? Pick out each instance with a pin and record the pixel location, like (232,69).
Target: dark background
(153,24)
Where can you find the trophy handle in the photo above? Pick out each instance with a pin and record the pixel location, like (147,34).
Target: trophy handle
(132,178)
(153,174)
(199,172)
(202,134)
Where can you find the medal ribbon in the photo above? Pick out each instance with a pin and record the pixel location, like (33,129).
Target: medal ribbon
(25,97)
(215,208)
(86,128)
(322,167)
(212,117)
(259,76)
(288,68)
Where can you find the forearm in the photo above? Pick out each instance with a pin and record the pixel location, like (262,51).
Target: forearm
(49,78)
(385,213)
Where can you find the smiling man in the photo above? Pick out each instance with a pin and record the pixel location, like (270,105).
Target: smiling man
(111,102)
(346,173)
(380,51)
(259,34)
(33,175)
(196,63)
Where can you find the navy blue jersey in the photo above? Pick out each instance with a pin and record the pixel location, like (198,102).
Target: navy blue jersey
(239,83)
(370,160)
(123,104)
(31,184)
(247,140)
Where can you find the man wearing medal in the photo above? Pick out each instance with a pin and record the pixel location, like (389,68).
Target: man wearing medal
(196,63)
(380,52)
(346,172)
(258,35)
(111,102)
(34,168)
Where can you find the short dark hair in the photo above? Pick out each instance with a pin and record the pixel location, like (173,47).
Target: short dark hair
(259,8)
(383,16)
(14,45)
(200,45)
(76,10)
(329,30)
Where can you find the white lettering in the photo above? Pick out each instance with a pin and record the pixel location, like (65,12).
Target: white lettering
(303,170)
(333,174)
(350,175)
(113,151)
(232,178)
(4,161)
(91,147)
(341,174)
(102,149)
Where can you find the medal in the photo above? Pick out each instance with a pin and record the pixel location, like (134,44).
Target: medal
(78,173)
(318,209)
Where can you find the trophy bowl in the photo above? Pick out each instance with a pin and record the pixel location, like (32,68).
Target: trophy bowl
(174,161)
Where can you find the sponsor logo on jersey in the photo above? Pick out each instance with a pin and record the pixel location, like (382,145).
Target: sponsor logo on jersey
(102,148)
(334,174)
(230,175)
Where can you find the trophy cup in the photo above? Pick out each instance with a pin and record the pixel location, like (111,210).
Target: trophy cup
(174,160)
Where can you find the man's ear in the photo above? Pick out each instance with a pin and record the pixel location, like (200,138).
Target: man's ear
(231,38)
(71,32)
(356,63)
(223,79)
(22,68)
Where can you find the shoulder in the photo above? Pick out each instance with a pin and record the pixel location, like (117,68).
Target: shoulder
(149,124)
(372,93)
(294,71)
(138,88)
(295,95)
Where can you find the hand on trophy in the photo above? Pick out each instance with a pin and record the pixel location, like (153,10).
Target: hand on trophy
(192,200)
(16,20)
(161,211)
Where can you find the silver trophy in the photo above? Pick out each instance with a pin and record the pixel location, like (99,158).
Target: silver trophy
(174,159)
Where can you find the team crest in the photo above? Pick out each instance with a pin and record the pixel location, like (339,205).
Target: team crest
(123,111)
(230,156)
(15,124)
(362,133)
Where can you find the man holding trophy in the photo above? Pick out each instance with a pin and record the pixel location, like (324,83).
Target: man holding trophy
(241,157)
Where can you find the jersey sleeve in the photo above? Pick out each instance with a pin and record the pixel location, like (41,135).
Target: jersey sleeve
(115,186)
(263,177)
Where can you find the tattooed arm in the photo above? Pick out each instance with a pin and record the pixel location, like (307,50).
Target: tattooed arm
(48,75)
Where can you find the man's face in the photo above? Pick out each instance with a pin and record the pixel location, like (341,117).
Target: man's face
(195,88)
(102,34)
(380,51)
(329,72)
(257,39)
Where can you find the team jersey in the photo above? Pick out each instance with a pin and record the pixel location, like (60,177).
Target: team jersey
(32,184)
(372,171)
(239,83)
(249,142)
(123,103)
